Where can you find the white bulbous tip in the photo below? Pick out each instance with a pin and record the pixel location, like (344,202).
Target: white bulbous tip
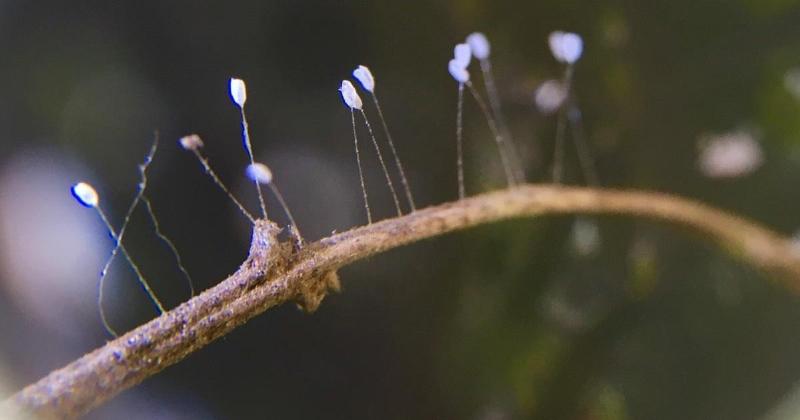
(479,45)
(191,142)
(238,92)
(85,194)
(259,172)
(458,71)
(364,76)
(566,47)
(462,54)
(350,96)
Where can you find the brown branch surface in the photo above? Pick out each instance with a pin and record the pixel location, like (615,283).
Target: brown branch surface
(275,273)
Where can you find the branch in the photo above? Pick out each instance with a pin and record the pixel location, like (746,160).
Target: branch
(275,273)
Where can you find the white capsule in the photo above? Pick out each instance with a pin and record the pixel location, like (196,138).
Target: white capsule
(350,96)
(479,45)
(238,92)
(364,76)
(566,47)
(462,54)
(85,194)
(458,71)
(259,172)
(191,142)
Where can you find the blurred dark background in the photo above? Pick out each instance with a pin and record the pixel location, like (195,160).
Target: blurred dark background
(554,318)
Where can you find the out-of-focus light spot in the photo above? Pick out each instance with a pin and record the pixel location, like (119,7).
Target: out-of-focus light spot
(585,236)
(259,172)
(549,96)
(50,248)
(791,81)
(729,155)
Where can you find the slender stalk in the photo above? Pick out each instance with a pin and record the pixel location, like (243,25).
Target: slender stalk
(282,202)
(582,145)
(498,137)
(460,141)
(561,128)
(269,278)
(249,148)
(207,166)
(399,165)
(167,241)
(383,164)
(497,110)
(360,170)
(140,277)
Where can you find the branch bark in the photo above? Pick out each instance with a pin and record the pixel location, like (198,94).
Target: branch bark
(275,273)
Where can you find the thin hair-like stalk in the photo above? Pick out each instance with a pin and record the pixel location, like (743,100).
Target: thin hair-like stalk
(118,237)
(498,137)
(582,145)
(171,245)
(360,169)
(403,178)
(460,141)
(383,164)
(561,127)
(221,185)
(497,110)
(249,148)
(140,277)
(282,202)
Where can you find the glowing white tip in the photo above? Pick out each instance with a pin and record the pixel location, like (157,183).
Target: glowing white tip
(462,54)
(567,47)
(350,96)
(364,76)
(85,194)
(549,96)
(259,172)
(191,142)
(479,44)
(458,71)
(238,92)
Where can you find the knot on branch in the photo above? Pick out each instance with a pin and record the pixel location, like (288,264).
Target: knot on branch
(270,258)
(314,288)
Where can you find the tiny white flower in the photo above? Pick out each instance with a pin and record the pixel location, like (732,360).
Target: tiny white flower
(364,76)
(462,54)
(549,96)
(259,172)
(479,45)
(85,194)
(566,47)
(238,92)
(350,96)
(191,142)
(458,71)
